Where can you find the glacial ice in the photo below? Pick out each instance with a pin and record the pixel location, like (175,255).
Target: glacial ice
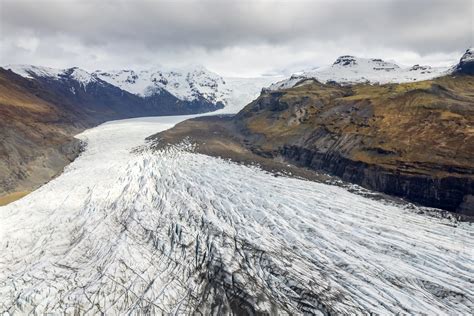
(127,230)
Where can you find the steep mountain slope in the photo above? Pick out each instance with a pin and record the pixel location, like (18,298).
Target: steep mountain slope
(466,64)
(36,134)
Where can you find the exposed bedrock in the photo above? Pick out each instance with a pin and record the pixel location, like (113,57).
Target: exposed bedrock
(449,193)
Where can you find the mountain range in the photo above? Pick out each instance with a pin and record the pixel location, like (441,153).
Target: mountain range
(148,92)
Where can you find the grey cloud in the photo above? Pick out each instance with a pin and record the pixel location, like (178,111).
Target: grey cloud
(422,26)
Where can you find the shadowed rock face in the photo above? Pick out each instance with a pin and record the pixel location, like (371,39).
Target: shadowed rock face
(446,193)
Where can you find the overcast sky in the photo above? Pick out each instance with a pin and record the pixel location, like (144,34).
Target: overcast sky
(244,38)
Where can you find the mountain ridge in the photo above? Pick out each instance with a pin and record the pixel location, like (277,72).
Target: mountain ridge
(348,69)
(190,84)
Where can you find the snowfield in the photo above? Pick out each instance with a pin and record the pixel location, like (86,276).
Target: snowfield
(353,70)
(127,231)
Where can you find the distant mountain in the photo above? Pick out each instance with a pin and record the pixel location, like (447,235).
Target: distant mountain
(351,69)
(124,92)
(196,83)
(160,91)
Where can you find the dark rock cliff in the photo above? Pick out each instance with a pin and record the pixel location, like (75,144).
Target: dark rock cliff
(450,193)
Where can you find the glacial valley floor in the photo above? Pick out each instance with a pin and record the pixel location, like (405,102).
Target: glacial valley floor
(176,232)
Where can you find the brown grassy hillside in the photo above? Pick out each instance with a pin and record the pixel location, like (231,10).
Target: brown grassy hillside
(36,136)
(425,127)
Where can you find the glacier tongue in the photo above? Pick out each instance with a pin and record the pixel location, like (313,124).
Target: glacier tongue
(127,231)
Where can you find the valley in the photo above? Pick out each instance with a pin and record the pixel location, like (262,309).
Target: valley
(413,140)
(126,229)
(42,109)
(237,212)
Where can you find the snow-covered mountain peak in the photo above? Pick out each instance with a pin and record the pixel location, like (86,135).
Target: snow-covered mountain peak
(189,83)
(30,71)
(74,73)
(80,75)
(346,60)
(468,55)
(349,69)
(376,64)
(466,63)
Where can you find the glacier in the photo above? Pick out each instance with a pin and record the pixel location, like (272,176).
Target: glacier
(125,229)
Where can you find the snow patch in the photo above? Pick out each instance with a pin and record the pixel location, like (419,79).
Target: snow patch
(81,76)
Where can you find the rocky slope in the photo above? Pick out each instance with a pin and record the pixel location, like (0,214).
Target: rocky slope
(414,140)
(36,135)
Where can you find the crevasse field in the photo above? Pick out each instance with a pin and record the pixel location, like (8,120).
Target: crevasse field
(174,232)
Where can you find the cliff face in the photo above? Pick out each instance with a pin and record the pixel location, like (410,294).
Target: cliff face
(414,140)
